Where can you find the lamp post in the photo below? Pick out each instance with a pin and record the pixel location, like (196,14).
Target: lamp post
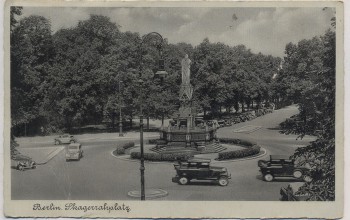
(120,112)
(161,72)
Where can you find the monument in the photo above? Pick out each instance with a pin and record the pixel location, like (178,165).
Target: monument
(187,132)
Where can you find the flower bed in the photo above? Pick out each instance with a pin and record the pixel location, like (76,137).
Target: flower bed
(157,141)
(250,150)
(237,141)
(161,157)
(121,149)
(239,153)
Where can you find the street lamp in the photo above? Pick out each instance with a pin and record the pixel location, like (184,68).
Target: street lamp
(120,112)
(160,72)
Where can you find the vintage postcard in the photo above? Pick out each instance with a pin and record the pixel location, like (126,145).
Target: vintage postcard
(149,109)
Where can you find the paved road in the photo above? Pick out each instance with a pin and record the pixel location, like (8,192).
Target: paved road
(100,176)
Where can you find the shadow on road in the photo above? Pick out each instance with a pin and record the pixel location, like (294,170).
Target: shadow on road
(275,129)
(200,183)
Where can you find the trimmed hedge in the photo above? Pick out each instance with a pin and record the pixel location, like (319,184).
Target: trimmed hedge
(239,153)
(121,149)
(128,145)
(236,141)
(157,141)
(152,141)
(161,157)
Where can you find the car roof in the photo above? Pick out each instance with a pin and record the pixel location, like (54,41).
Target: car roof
(75,144)
(199,160)
(279,157)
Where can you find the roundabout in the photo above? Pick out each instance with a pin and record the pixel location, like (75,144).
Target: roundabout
(100,172)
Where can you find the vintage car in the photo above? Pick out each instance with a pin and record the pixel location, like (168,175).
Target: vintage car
(200,169)
(22,162)
(288,193)
(282,166)
(65,139)
(74,152)
(221,123)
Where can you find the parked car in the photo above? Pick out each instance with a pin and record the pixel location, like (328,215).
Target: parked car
(22,162)
(199,169)
(288,193)
(282,166)
(74,152)
(221,123)
(65,139)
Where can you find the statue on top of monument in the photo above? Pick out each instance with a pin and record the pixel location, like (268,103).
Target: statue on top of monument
(186,64)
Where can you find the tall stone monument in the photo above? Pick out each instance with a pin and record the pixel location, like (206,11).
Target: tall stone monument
(186,130)
(186,87)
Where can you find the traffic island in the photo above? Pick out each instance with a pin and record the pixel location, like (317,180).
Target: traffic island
(235,150)
(149,193)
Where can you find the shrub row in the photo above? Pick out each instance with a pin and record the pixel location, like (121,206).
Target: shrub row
(121,149)
(236,141)
(239,153)
(161,157)
(157,141)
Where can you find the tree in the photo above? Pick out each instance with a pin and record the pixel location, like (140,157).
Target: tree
(312,67)
(79,55)
(31,55)
(14,11)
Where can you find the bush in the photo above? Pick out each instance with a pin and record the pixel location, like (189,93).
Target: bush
(157,141)
(121,149)
(153,141)
(128,145)
(239,153)
(161,157)
(236,141)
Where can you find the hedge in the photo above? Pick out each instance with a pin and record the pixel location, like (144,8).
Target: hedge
(239,153)
(121,149)
(157,141)
(236,141)
(161,157)
(152,141)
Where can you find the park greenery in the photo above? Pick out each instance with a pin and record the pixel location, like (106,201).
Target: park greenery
(70,78)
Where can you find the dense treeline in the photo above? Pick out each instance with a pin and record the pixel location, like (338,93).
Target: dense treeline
(70,78)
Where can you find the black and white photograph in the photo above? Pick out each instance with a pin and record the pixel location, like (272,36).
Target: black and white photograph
(179,107)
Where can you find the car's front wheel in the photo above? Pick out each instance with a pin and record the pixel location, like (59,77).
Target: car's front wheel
(268,177)
(57,142)
(297,174)
(72,141)
(20,167)
(183,180)
(223,181)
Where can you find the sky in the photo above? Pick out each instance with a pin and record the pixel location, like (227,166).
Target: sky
(265,30)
